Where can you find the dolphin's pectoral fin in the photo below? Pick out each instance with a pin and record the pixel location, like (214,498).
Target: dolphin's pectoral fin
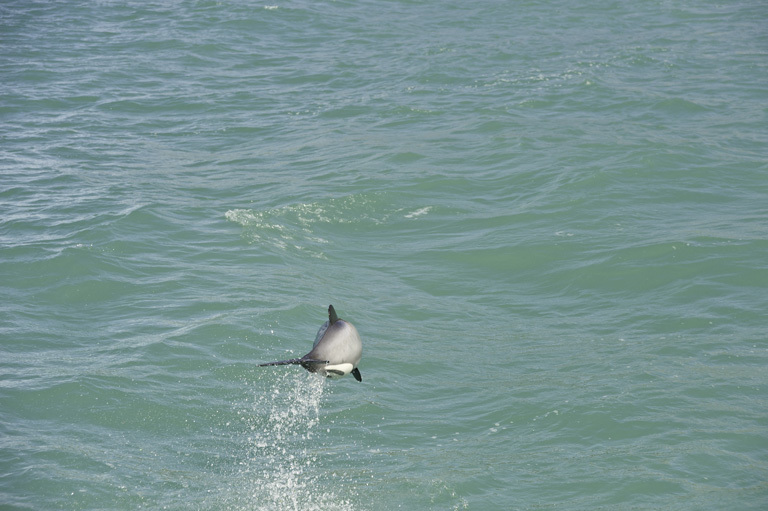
(282,362)
(313,361)
(356,374)
(311,364)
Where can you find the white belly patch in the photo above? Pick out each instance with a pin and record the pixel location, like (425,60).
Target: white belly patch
(338,370)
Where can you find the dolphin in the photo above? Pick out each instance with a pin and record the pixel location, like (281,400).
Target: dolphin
(336,352)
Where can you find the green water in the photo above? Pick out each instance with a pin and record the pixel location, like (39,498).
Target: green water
(548,222)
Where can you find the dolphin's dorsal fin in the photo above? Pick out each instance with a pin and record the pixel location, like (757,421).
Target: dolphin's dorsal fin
(332,317)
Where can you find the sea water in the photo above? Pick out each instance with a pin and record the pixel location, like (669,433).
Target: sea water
(547,220)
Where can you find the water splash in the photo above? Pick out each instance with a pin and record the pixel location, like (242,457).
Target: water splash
(283,469)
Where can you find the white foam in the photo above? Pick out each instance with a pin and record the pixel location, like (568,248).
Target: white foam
(419,212)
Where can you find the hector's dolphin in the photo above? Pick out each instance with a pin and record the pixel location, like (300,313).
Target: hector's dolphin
(336,352)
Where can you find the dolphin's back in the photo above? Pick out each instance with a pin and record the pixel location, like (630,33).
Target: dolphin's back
(337,343)
(321,333)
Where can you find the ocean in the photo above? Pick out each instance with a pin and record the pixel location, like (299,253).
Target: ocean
(548,220)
